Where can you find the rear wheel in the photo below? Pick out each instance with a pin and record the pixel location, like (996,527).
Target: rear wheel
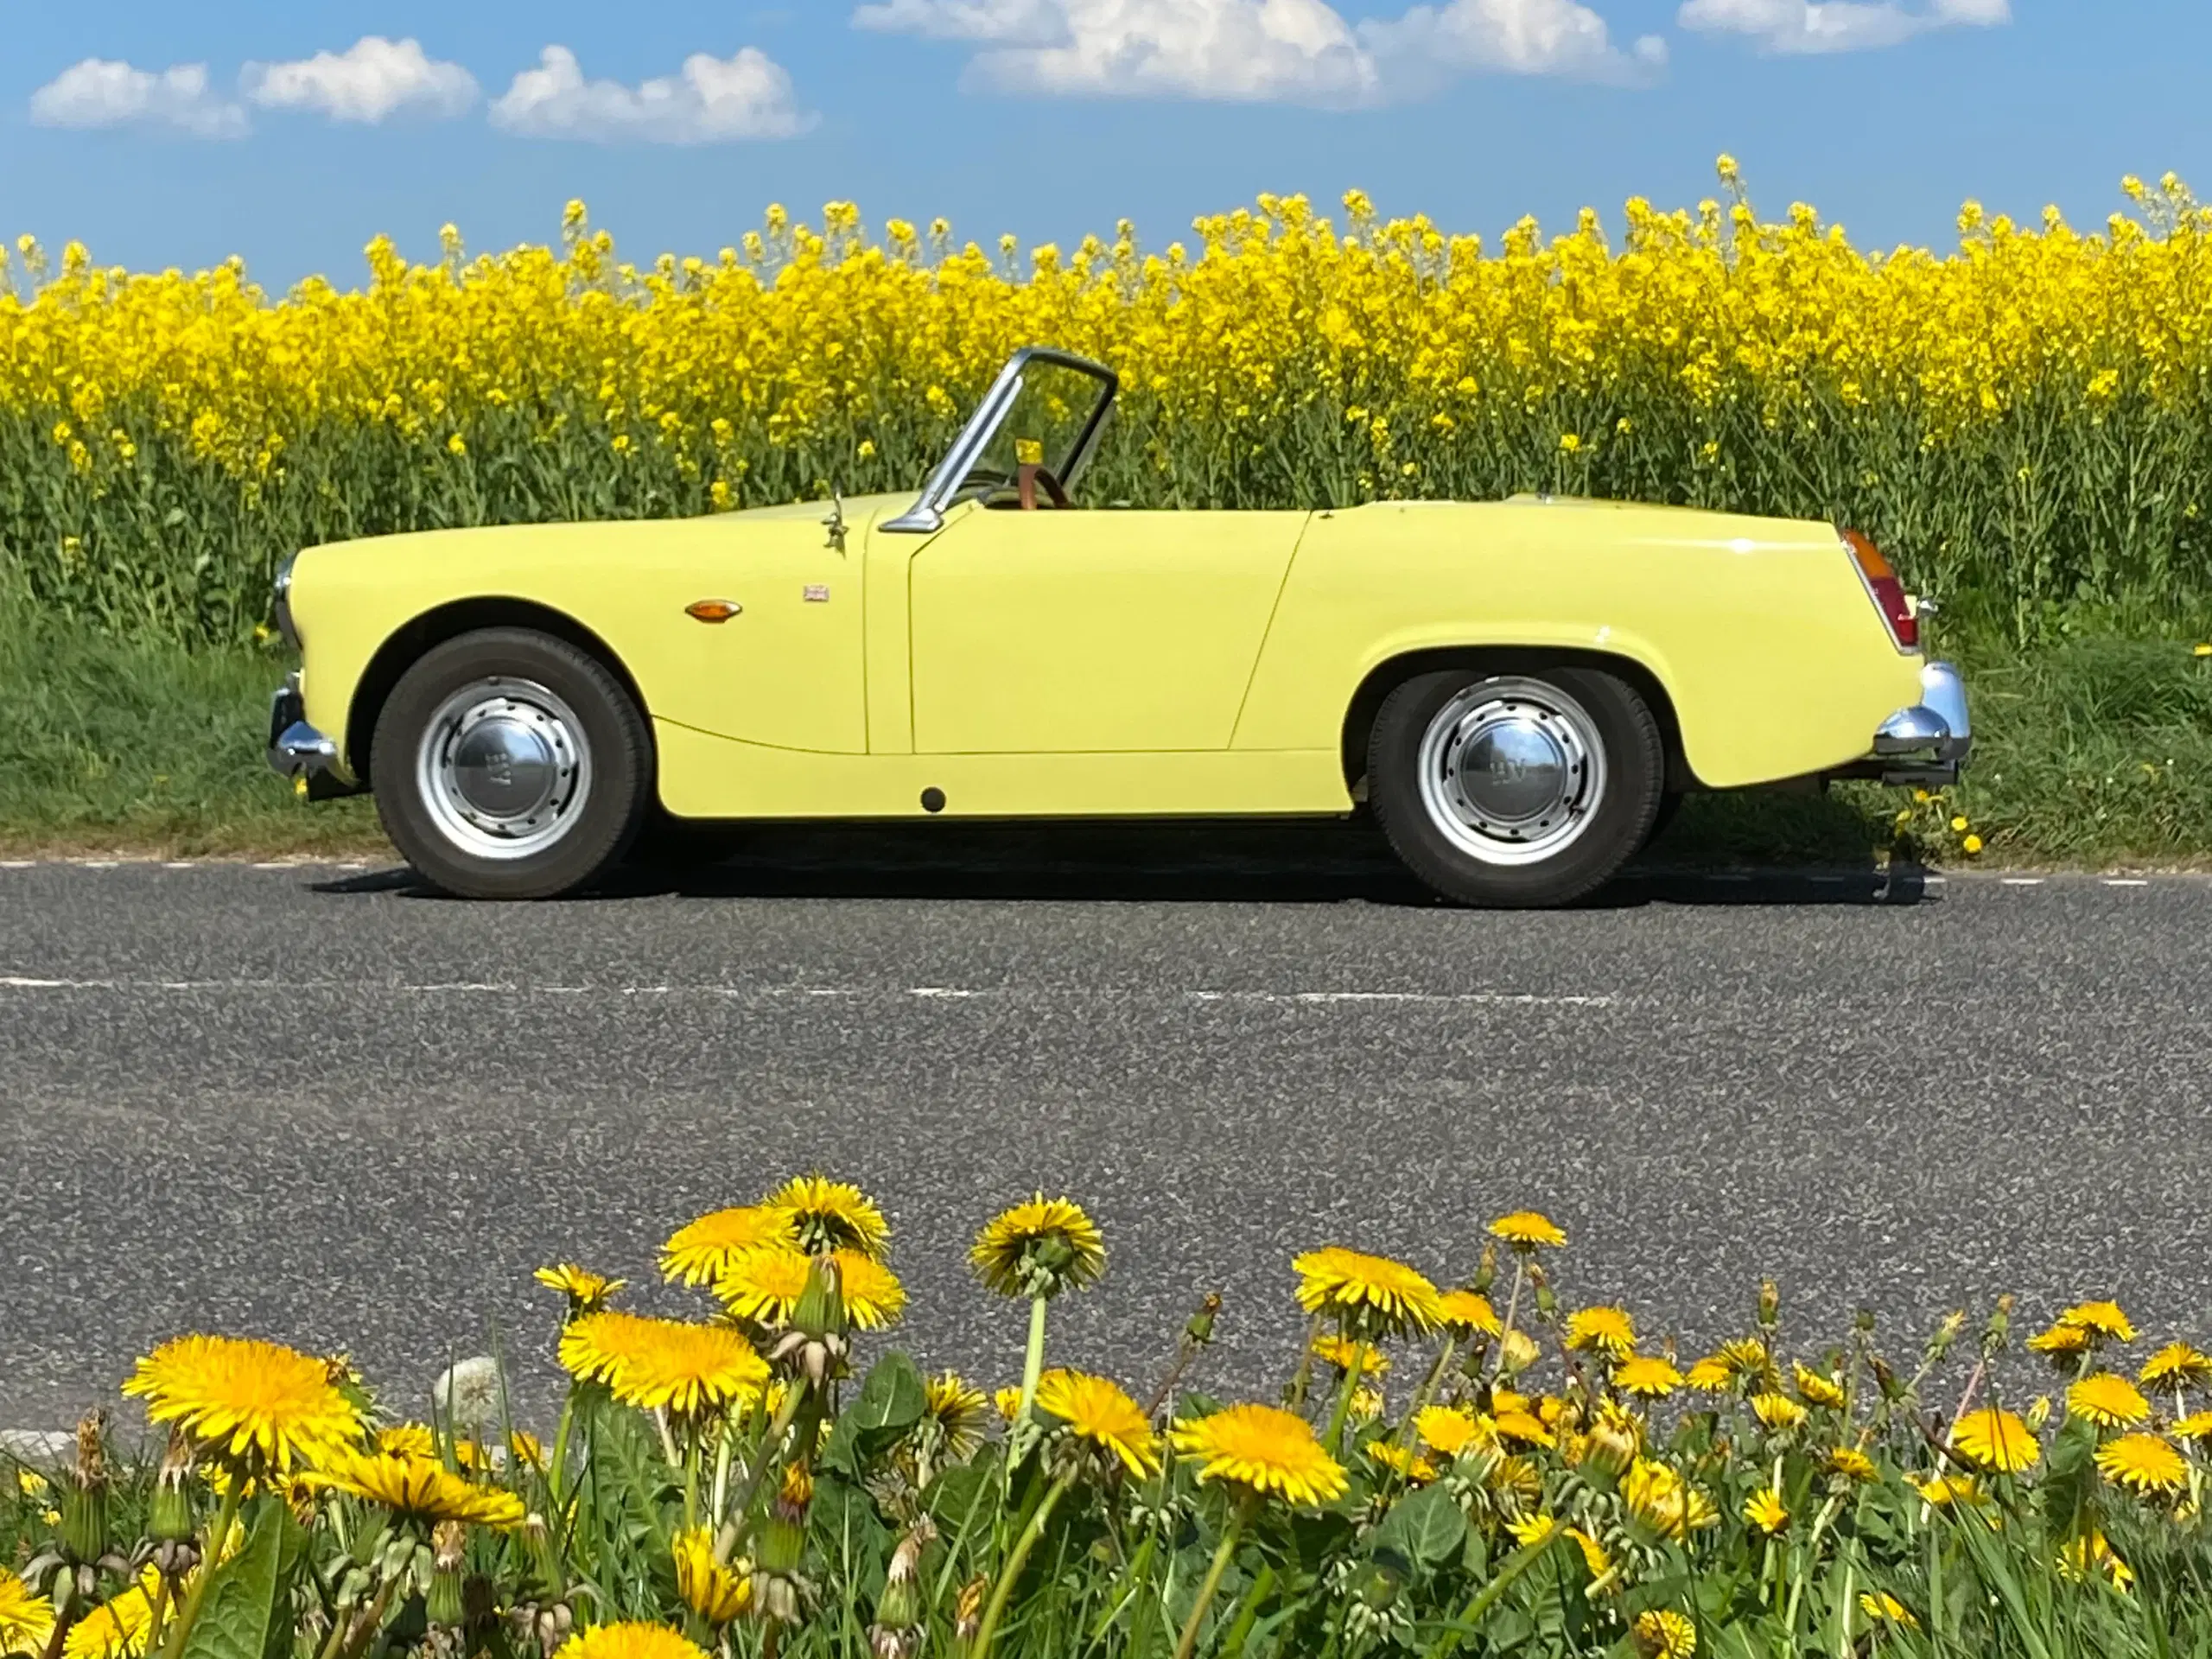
(1521,791)
(510,764)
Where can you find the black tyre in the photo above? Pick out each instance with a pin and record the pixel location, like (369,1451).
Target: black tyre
(510,764)
(1521,791)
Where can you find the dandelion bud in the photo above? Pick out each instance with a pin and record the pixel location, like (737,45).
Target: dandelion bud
(783,1534)
(1892,1389)
(1546,1298)
(1609,1448)
(1770,1303)
(968,1615)
(1199,1331)
(1998,1333)
(815,1346)
(84,1494)
(1946,1334)
(900,1607)
(170,1519)
(2039,1413)
(443,1605)
(1485,1272)
(1517,1352)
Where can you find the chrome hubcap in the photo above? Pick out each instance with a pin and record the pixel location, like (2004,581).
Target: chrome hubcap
(1512,771)
(504,768)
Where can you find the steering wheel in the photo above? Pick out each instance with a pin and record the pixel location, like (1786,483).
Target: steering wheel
(1029,476)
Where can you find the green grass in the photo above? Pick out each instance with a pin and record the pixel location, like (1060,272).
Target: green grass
(2091,752)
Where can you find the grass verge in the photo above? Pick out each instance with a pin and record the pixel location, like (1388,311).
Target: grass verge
(2097,752)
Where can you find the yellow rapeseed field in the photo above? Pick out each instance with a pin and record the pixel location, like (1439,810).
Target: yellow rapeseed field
(2023,418)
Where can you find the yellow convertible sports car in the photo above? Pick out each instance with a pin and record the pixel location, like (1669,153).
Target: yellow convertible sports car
(1518,690)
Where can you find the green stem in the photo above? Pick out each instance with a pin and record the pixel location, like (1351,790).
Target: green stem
(987,1632)
(1302,1378)
(219,1535)
(1212,1583)
(557,1471)
(1350,1387)
(690,1480)
(740,1514)
(1032,1361)
(1512,1307)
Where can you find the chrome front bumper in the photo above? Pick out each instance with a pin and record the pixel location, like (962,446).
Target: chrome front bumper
(1924,745)
(298,751)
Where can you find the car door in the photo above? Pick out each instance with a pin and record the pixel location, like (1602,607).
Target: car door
(1063,633)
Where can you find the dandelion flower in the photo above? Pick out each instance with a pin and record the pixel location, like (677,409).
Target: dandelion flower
(656,1363)
(1778,1412)
(1447,1431)
(1040,1248)
(1526,1529)
(416,1488)
(2100,1319)
(716,1590)
(2143,1463)
(1995,1440)
(1347,1355)
(2195,1428)
(1764,1509)
(1710,1375)
(628,1642)
(959,1411)
(1367,1290)
(1647,1376)
(1881,1604)
(1467,1313)
(1596,1560)
(1851,1464)
(1663,1501)
(1663,1633)
(1264,1449)
(1522,1426)
(765,1286)
(700,1251)
(1972,846)
(1817,1389)
(1008,1401)
(832,1215)
(1946,1491)
(2093,1552)
(2177,1365)
(234,1396)
(26,1619)
(1527,1230)
(408,1440)
(1746,1356)
(2061,1341)
(1402,1461)
(586,1290)
(1607,1331)
(1096,1410)
(117,1628)
(2108,1400)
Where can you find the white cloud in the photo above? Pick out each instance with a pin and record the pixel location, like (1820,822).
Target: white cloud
(711,100)
(1289,51)
(1805,26)
(369,81)
(101,92)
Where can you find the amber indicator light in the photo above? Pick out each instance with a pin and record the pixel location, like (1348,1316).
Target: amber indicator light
(713,610)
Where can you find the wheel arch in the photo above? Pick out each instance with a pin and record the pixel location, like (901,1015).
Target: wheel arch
(1388,676)
(415,638)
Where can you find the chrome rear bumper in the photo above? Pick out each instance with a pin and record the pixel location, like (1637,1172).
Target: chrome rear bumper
(1924,745)
(298,751)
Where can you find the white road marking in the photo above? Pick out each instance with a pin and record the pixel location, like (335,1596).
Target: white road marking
(180,864)
(768,992)
(2117,881)
(17,864)
(2023,882)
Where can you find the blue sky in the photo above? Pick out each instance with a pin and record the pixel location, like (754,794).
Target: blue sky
(1050,118)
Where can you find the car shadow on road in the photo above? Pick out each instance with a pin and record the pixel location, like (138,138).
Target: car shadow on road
(1156,863)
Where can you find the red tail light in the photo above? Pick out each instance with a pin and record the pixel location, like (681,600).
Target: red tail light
(1885,590)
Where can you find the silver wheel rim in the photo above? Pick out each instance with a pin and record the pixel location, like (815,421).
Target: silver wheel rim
(504,768)
(1512,771)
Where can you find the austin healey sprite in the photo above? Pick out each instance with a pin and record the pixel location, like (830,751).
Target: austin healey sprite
(1517,690)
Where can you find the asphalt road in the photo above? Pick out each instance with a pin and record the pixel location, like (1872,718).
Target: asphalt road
(316,1105)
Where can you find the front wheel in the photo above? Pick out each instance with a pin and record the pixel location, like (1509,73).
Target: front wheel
(1518,792)
(508,764)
